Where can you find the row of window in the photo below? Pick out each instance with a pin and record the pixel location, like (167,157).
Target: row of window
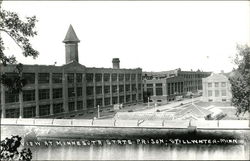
(217,84)
(107,101)
(29,95)
(44,110)
(114,77)
(114,88)
(217,93)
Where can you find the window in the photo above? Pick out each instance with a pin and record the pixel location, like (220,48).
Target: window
(28,95)
(107,101)
(115,100)
(71,92)
(150,85)
(12,113)
(58,108)
(216,84)
(133,87)
(121,77)
(133,97)
(57,93)
(139,96)
(114,77)
(127,98)
(89,77)
(133,77)
(106,89)
(127,77)
(79,91)
(158,91)
(139,77)
(150,91)
(11,97)
(223,84)
(121,99)
(43,78)
(79,77)
(114,88)
(70,77)
(90,103)
(106,77)
(217,93)
(127,87)
(139,86)
(158,84)
(99,102)
(210,93)
(71,106)
(90,90)
(98,89)
(44,110)
(209,84)
(29,77)
(121,88)
(98,77)
(43,94)
(29,112)
(57,77)
(223,93)
(79,105)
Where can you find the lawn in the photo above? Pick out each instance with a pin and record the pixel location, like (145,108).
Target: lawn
(231,114)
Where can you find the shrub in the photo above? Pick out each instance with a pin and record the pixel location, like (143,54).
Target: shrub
(9,150)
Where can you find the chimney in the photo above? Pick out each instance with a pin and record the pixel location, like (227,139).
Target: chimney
(116,63)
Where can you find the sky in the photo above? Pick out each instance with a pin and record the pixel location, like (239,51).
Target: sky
(155,36)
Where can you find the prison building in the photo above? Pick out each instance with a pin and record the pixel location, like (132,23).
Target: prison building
(163,90)
(192,80)
(216,88)
(60,91)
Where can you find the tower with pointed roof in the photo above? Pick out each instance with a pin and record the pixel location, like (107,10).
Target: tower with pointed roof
(71,45)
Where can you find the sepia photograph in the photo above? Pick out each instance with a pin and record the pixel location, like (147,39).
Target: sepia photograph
(124,80)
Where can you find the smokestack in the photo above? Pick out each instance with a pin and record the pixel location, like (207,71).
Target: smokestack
(116,63)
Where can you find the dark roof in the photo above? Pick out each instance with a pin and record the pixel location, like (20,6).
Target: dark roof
(71,36)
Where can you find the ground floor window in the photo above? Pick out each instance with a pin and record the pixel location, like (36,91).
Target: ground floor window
(79,105)
(13,113)
(29,112)
(44,110)
(71,106)
(107,101)
(57,108)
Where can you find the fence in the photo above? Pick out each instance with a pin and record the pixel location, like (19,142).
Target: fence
(219,124)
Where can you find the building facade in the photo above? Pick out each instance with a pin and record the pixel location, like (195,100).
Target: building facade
(216,88)
(60,91)
(165,86)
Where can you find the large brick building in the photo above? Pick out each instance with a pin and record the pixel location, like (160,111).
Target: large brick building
(165,86)
(60,91)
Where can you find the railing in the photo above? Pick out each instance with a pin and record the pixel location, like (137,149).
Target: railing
(207,124)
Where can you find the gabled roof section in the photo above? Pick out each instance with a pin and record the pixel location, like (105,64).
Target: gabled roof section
(214,76)
(71,36)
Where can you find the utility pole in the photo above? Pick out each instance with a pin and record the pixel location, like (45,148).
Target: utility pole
(148,102)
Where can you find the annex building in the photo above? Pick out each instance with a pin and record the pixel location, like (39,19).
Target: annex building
(216,88)
(61,91)
(165,86)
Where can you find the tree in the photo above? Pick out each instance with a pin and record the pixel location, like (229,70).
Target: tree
(9,150)
(240,81)
(19,31)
